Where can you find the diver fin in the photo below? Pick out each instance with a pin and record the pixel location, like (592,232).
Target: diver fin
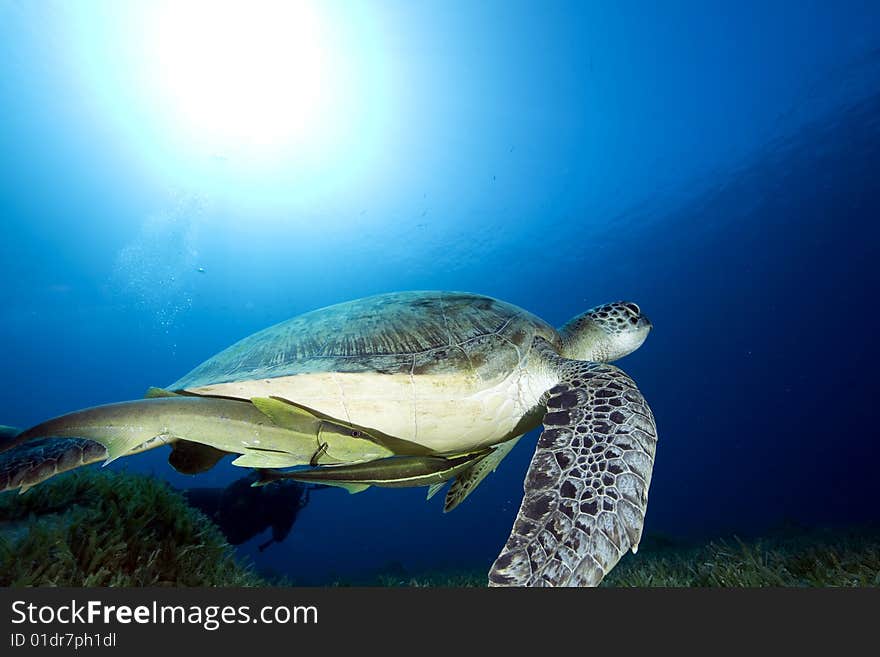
(433,489)
(287,415)
(153,393)
(190,458)
(8,437)
(467,481)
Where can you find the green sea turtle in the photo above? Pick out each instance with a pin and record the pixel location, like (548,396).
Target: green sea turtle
(410,389)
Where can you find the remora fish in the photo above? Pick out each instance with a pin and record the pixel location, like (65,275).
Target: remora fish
(394,472)
(261,437)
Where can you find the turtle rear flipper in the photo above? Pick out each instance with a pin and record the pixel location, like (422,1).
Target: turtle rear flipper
(465,483)
(36,461)
(586,490)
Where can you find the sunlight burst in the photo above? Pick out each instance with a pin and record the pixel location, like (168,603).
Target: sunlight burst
(244,75)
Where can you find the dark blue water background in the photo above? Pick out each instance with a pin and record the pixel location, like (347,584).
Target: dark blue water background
(715,162)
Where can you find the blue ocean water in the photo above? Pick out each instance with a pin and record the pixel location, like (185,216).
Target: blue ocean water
(714,162)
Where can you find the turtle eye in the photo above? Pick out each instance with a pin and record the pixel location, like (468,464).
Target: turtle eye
(356,434)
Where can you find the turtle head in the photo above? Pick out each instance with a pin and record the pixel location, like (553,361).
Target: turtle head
(605,333)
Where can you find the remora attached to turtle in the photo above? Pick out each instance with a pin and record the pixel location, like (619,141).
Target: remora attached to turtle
(431,377)
(393,472)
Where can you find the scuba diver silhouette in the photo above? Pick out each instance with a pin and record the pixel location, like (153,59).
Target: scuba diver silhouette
(242,511)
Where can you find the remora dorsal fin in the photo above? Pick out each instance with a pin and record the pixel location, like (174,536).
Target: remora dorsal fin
(154,393)
(287,415)
(188,457)
(281,406)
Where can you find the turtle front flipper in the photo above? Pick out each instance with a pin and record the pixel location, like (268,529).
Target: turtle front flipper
(586,490)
